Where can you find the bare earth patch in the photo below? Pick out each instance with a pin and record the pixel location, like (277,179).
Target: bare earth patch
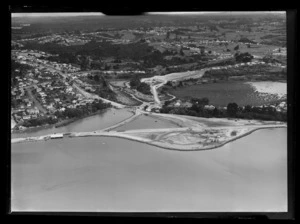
(275,88)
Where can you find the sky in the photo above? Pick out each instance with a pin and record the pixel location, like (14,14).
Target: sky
(200,13)
(149,13)
(57,14)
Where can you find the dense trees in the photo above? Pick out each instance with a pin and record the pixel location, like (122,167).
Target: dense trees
(81,111)
(181,52)
(236,47)
(243,57)
(200,101)
(68,113)
(168,35)
(142,87)
(232,109)
(40,121)
(64,57)
(246,40)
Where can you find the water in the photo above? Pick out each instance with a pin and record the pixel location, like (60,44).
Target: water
(220,94)
(96,122)
(109,174)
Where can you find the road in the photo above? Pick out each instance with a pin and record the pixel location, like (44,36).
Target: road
(83,92)
(94,96)
(36,102)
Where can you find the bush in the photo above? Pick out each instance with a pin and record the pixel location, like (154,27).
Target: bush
(232,109)
(243,57)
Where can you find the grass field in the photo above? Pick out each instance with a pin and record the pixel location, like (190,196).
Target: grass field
(220,94)
(144,122)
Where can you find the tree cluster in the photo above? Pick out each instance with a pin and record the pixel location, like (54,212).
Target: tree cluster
(81,111)
(243,57)
(142,87)
(233,111)
(40,121)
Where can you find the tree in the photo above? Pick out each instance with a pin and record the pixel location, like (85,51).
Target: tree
(247,108)
(236,47)
(216,112)
(232,109)
(243,57)
(96,78)
(201,101)
(181,52)
(168,35)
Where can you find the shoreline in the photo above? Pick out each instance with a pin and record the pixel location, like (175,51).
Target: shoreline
(59,124)
(157,144)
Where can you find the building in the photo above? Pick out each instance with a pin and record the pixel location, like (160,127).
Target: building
(53,136)
(209,107)
(33,111)
(177,104)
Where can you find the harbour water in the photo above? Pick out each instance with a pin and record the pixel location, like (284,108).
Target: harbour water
(102,174)
(99,121)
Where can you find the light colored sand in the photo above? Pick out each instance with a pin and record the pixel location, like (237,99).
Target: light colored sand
(277,88)
(176,76)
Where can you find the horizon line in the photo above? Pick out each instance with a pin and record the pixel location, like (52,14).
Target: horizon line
(58,14)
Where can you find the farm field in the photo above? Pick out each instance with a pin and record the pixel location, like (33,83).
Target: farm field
(220,94)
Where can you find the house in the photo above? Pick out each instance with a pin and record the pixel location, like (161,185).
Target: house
(22,128)
(177,104)
(209,107)
(27,117)
(187,104)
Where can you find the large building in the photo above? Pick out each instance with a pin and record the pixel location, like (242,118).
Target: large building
(57,136)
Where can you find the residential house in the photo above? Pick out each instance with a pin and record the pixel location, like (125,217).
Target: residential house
(26,117)
(187,104)
(33,111)
(209,107)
